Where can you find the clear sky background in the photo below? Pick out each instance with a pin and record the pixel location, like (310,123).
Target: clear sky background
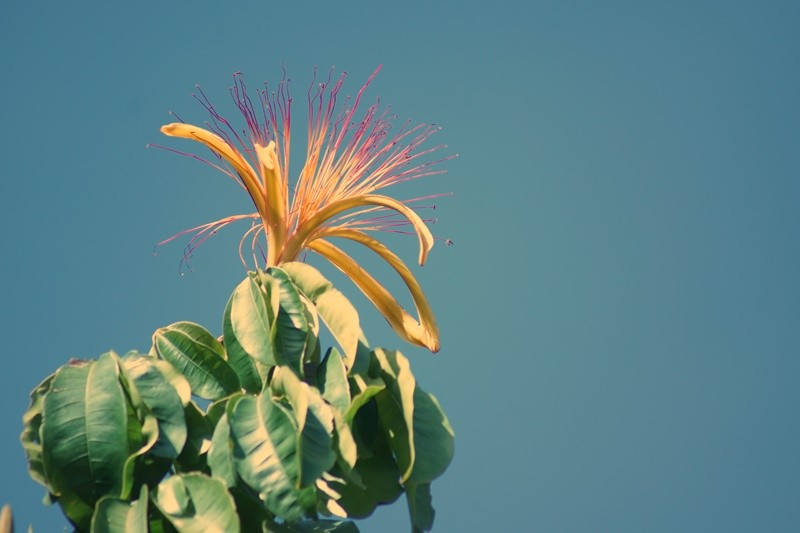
(620,312)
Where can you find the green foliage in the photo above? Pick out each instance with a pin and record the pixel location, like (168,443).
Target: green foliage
(291,442)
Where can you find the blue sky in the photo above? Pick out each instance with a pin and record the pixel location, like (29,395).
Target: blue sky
(619,312)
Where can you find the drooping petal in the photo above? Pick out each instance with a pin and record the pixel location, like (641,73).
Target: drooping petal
(306,232)
(424,333)
(219,146)
(424,311)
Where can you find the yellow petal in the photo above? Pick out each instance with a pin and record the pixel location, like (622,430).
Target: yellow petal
(275,199)
(219,146)
(424,333)
(306,232)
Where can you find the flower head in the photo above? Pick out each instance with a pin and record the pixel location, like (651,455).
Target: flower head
(348,159)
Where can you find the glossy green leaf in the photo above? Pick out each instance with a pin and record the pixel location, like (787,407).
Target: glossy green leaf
(215,410)
(362,398)
(396,407)
(378,478)
(196,503)
(198,440)
(314,419)
(86,435)
(434,439)
(220,455)
(175,378)
(334,308)
(292,327)
(312,352)
(196,354)
(248,332)
(142,428)
(419,506)
(332,381)
(115,515)
(344,442)
(163,400)
(31,436)
(420,434)
(265,448)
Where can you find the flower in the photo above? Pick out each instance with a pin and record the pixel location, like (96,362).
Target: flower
(347,161)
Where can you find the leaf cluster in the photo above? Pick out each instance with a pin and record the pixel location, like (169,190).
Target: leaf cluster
(256,430)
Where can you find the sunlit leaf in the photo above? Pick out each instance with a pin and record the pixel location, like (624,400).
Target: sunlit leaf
(336,311)
(360,399)
(314,419)
(196,354)
(332,381)
(344,442)
(396,407)
(163,400)
(420,434)
(220,455)
(291,333)
(115,515)
(248,332)
(265,447)
(195,503)
(175,378)
(85,430)
(198,440)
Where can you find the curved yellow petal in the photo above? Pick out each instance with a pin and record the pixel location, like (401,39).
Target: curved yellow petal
(424,311)
(305,233)
(219,146)
(424,333)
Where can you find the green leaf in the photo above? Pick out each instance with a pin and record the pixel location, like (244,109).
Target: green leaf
(377,473)
(215,410)
(312,350)
(314,419)
(344,443)
(291,333)
(420,434)
(396,407)
(336,311)
(85,435)
(175,378)
(332,381)
(419,506)
(362,398)
(163,400)
(252,513)
(195,503)
(198,440)
(248,332)
(143,428)
(265,448)
(324,526)
(196,354)
(220,455)
(32,423)
(114,515)
(434,439)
